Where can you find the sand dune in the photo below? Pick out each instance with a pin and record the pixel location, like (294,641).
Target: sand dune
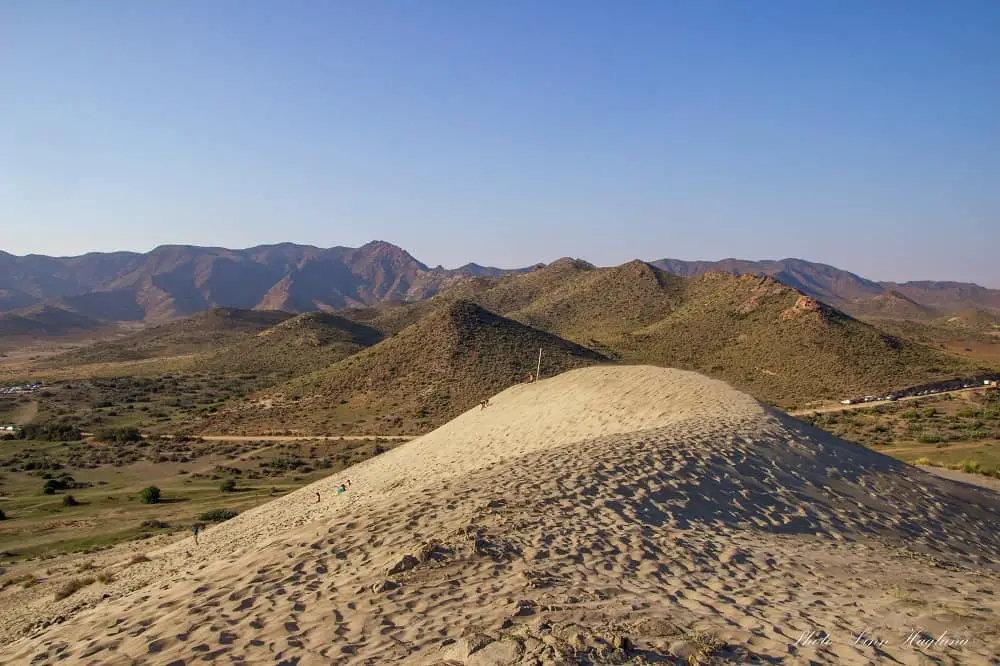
(605,515)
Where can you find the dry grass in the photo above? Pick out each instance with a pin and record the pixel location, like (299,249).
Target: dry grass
(71,587)
(707,644)
(26,581)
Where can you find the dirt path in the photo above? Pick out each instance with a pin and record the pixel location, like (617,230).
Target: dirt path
(926,448)
(980,480)
(297,438)
(840,407)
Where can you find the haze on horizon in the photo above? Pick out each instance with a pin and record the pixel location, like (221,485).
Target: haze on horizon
(862,135)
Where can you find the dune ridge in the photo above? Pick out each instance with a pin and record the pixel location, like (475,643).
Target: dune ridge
(602,515)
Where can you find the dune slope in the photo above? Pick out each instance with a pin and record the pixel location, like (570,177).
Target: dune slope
(603,515)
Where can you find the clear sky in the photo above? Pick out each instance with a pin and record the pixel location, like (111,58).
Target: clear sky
(861,133)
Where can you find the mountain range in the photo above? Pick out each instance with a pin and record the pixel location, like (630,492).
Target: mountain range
(405,367)
(179,280)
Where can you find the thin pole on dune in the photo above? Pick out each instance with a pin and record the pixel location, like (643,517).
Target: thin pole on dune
(538,370)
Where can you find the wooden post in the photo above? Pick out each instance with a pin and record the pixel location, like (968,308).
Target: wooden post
(538,370)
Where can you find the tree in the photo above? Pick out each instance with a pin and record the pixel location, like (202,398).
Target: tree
(150,495)
(69,500)
(3,516)
(228,486)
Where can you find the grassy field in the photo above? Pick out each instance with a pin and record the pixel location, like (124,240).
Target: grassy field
(959,431)
(155,404)
(104,481)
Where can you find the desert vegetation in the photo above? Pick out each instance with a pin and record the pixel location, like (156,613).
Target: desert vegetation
(84,496)
(960,431)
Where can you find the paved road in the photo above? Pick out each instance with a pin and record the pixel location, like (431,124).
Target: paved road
(839,407)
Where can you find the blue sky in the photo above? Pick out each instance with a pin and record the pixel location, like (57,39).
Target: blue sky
(865,134)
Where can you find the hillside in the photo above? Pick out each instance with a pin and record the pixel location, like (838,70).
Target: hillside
(601,305)
(763,336)
(606,515)
(175,281)
(844,289)
(973,321)
(892,305)
(431,371)
(296,346)
(204,332)
(573,299)
(780,345)
(972,333)
(45,320)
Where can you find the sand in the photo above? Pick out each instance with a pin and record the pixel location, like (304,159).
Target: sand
(607,515)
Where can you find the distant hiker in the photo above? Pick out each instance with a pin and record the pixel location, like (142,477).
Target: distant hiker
(348,483)
(484,404)
(531,378)
(194,528)
(317,498)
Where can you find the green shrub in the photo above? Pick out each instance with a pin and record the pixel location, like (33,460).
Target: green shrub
(3,516)
(928,439)
(69,500)
(228,486)
(150,495)
(217,515)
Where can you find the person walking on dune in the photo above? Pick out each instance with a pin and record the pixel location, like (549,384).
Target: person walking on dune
(194,528)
